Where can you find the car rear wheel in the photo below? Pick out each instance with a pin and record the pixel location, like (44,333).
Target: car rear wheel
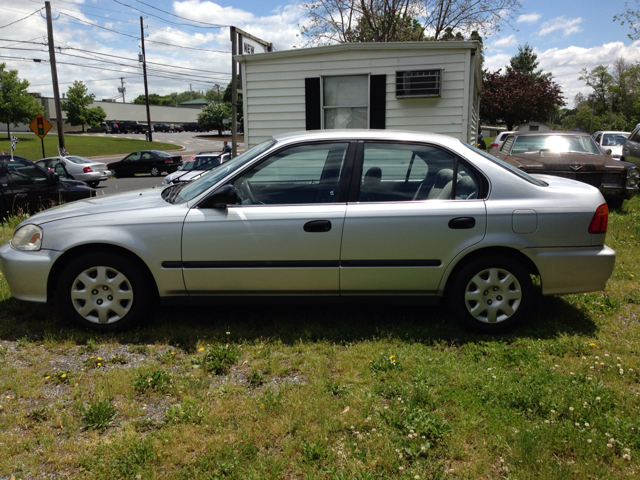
(113,172)
(93,184)
(491,294)
(155,171)
(104,291)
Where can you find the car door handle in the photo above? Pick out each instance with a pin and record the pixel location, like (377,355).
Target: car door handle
(317,226)
(461,223)
(21,195)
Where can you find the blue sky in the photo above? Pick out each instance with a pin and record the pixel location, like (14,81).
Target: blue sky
(567,36)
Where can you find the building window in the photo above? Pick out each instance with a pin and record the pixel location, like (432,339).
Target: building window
(345,101)
(419,83)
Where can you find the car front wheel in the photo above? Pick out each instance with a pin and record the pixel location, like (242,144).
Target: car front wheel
(491,294)
(103,291)
(154,171)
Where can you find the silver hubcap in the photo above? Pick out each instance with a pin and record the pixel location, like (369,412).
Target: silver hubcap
(154,171)
(102,295)
(493,295)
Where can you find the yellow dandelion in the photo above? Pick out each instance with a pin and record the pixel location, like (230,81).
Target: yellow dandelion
(201,349)
(173,353)
(63,375)
(632,275)
(391,357)
(91,356)
(99,364)
(592,344)
(99,358)
(47,377)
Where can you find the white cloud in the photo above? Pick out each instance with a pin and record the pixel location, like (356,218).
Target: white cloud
(565,64)
(566,26)
(509,41)
(529,18)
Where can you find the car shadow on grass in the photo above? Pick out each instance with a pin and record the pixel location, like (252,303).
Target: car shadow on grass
(185,326)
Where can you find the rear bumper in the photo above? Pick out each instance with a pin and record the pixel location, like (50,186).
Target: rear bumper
(572,270)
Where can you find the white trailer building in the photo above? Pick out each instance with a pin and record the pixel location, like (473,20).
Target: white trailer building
(420,86)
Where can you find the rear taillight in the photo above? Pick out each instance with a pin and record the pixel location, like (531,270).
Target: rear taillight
(493,145)
(87,170)
(600,219)
(168,160)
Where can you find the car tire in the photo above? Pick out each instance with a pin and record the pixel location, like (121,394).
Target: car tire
(491,294)
(104,291)
(154,171)
(93,184)
(113,172)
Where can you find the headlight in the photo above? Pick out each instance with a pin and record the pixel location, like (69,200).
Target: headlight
(632,177)
(28,237)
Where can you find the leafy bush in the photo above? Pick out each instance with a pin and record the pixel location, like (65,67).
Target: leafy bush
(157,380)
(98,415)
(218,359)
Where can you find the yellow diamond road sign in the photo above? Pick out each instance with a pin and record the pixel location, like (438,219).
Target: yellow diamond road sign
(40,126)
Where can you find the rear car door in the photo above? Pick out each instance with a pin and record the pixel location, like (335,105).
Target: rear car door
(631,148)
(29,184)
(412,208)
(284,235)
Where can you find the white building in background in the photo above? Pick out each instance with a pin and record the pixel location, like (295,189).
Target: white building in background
(420,86)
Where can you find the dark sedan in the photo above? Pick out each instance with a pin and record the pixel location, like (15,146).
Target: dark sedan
(27,188)
(161,127)
(571,155)
(146,161)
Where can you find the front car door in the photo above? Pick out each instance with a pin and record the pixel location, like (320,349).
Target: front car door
(631,148)
(284,235)
(412,208)
(29,184)
(130,164)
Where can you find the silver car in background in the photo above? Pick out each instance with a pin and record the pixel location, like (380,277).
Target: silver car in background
(79,168)
(611,140)
(195,166)
(347,215)
(497,142)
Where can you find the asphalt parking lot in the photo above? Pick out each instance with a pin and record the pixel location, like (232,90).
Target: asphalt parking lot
(192,142)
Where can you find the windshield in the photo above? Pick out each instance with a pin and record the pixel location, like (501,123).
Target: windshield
(614,139)
(511,168)
(555,143)
(201,163)
(191,190)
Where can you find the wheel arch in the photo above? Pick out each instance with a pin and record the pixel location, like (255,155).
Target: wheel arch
(512,253)
(63,260)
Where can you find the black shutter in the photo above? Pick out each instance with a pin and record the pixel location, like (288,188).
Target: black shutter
(313,108)
(377,101)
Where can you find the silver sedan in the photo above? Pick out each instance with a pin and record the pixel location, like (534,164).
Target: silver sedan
(79,168)
(353,215)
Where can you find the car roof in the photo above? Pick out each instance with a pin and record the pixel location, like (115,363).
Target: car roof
(357,134)
(550,132)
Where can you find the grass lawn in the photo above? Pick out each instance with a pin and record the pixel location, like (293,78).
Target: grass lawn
(261,392)
(30,146)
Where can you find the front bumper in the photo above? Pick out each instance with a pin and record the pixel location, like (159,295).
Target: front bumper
(27,272)
(618,191)
(573,270)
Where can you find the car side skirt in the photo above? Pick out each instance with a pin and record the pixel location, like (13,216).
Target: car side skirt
(261,299)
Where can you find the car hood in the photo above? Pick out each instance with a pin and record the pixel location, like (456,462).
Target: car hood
(120,202)
(184,176)
(552,161)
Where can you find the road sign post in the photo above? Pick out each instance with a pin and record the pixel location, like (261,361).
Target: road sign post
(40,126)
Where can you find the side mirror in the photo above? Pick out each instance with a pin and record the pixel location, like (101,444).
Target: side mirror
(608,152)
(54,178)
(221,198)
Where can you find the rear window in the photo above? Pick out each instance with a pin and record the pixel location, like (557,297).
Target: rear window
(162,154)
(507,166)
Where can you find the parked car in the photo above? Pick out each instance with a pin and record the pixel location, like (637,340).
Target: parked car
(631,148)
(192,127)
(114,126)
(103,128)
(178,128)
(161,127)
(352,215)
(611,142)
(128,126)
(79,168)
(195,166)
(145,161)
(571,155)
(498,141)
(27,187)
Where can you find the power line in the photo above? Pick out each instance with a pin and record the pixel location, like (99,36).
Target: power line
(210,25)
(178,16)
(24,18)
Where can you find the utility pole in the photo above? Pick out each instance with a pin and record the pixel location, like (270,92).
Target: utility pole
(146,88)
(122,89)
(218,87)
(190,92)
(234,92)
(54,75)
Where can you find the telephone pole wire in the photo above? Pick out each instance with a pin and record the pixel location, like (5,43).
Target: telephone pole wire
(54,75)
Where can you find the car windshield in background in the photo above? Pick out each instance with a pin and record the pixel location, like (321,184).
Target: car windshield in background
(201,163)
(614,140)
(191,190)
(555,143)
(78,160)
(511,168)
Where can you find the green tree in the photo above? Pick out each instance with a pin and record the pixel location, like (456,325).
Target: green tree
(16,105)
(514,97)
(226,98)
(601,81)
(77,107)
(211,117)
(526,61)
(154,99)
(631,17)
